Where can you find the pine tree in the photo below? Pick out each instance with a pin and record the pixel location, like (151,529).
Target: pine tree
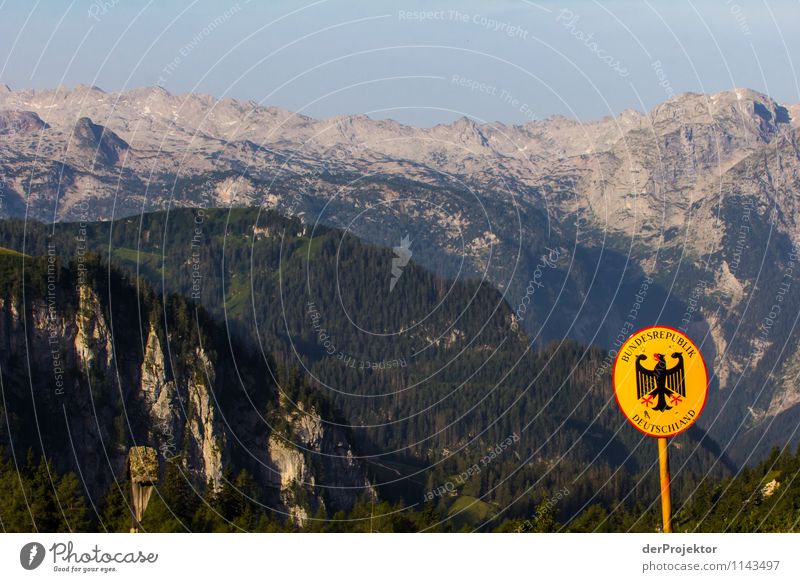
(115,510)
(40,493)
(72,505)
(14,511)
(179,494)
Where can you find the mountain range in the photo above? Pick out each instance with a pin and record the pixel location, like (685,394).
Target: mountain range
(684,215)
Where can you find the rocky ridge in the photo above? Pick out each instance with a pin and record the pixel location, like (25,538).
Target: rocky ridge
(97,393)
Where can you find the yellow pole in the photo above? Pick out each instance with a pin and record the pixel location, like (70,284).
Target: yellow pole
(666,503)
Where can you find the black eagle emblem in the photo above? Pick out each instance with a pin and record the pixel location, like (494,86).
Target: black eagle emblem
(660,382)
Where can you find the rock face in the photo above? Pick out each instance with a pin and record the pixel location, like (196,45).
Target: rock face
(290,474)
(85,342)
(20,123)
(85,379)
(293,460)
(96,144)
(93,347)
(170,404)
(698,195)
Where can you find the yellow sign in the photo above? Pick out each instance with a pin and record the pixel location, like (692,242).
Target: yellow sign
(660,381)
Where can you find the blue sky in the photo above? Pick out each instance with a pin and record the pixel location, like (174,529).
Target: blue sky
(418,62)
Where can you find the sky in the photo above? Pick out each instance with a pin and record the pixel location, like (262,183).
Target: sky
(419,62)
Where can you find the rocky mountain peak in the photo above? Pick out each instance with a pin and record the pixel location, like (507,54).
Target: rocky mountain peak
(20,122)
(88,89)
(745,111)
(756,106)
(102,144)
(468,132)
(155,90)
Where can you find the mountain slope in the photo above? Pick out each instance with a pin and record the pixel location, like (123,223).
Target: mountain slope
(427,376)
(92,365)
(684,215)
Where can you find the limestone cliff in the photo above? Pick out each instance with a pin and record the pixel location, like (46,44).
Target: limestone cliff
(310,445)
(85,378)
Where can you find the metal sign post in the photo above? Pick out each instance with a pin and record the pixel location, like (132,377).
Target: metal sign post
(661,385)
(666,502)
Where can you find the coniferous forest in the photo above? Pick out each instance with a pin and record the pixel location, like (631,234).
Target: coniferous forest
(450,417)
